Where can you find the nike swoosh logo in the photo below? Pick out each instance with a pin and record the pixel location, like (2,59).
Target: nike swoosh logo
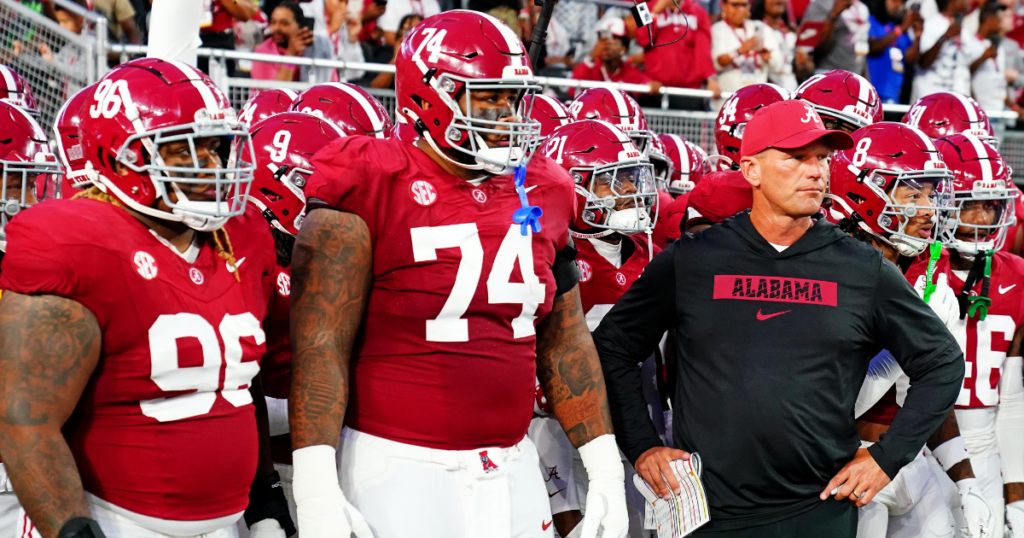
(550,495)
(238,263)
(1003,290)
(530,188)
(545,526)
(762,317)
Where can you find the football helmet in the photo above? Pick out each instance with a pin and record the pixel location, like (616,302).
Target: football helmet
(284,145)
(892,174)
(660,160)
(948,113)
(30,172)
(266,103)
(447,58)
(348,106)
(69,142)
(615,107)
(844,100)
(14,90)
(147,105)
(615,187)
(732,119)
(550,112)
(689,163)
(979,175)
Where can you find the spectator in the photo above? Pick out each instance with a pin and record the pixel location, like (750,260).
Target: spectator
(217,27)
(1014,61)
(677,49)
(66,60)
(888,44)
(943,66)
(988,59)
(712,7)
(289,37)
(387,80)
(843,39)
(742,49)
(506,11)
(398,9)
(557,52)
(579,20)
(343,28)
(773,14)
(125,31)
(607,60)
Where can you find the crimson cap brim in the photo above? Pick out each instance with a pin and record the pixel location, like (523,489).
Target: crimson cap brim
(836,140)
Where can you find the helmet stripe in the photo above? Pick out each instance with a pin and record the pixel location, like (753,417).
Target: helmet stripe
(979,149)
(193,75)
(972,114)
(292,94)
(684,155)
(783,93)
(375,120)
(557,106)
(624,122)
(12,85)
(863,94)
(515,46)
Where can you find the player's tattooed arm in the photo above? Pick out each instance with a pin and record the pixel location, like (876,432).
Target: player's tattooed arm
(570,372)
(949,430)
(49,348)
(331,274)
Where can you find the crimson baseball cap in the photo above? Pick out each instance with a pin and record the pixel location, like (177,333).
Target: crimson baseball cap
(787,125)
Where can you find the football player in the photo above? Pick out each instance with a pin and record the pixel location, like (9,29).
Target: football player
(990,327)
(662,163)
(549,112)
(892,190)
(129,326)
(617,108)
(67,138)
(689,166)
(283,145)
(14,90)
(732,120)
(265,104)
(348,106)
(844,100)
(30,172)
(615,194)
(430,286)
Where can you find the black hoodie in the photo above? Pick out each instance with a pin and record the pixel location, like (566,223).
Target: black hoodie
(774,348)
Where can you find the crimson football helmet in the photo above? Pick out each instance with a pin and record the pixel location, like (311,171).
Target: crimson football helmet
(14,90)
(948,113)
(284,145)
(979,175)
(844,100)
(69,142)
(660,160)
(548,111)
(732,119)
(689,163)
(266,103)
(348,106)
(892,173)
(30,173)
(615,107)
(448,57)
(615,188)
(148,105)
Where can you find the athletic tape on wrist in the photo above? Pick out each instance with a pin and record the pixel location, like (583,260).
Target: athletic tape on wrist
(601,458)
(315,473)
(951,453)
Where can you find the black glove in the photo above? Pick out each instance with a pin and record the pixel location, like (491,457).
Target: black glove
(81,527)
(266,501)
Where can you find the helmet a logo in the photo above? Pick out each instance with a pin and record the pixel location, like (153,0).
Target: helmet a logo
(423,193)
(586,272)
(284,284)
(196,275)
(145,265)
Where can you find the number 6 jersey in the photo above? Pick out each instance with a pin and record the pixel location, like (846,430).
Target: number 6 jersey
(165,429)
(447,354)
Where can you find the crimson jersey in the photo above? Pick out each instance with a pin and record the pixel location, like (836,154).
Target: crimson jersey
(276,366)
(447,354)
(661,230)
(165,427)
(601,283)
(675,216)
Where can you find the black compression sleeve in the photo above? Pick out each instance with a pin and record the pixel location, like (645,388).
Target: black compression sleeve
(566,272)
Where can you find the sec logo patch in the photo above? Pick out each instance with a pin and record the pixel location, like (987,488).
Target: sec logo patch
(284,284)
(423,193)
(586,272)
(145,265)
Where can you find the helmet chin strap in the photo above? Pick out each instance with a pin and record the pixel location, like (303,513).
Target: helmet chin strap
(189,212)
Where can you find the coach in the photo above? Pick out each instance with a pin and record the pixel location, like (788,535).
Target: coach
(774,317)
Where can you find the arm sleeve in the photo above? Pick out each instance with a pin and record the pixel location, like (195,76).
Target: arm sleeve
(1010,421)
(567,273)
(928,354)
(627,335)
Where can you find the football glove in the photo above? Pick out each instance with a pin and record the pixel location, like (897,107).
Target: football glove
(979,519)
(606,498)
(321,507)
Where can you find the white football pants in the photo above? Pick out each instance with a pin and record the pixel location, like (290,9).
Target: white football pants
(911,506)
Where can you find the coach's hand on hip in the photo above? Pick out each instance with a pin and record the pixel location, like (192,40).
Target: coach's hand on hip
(858,481)
(653,466)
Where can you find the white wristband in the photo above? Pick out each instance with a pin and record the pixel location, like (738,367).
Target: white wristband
(601,458)
(315,473)
(951,453)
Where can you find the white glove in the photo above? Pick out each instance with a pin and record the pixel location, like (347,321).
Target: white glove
(321,508)
(268,528)
(606,499)
(978,515)
(1014,520)
(943,299)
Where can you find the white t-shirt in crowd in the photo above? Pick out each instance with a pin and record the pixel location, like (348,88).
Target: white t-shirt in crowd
(749,68)
(989,81)
(398,9)
(951,71)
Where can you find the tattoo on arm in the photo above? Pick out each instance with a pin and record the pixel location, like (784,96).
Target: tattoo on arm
(570,372)
(331,275)
(948,430)
(49,348)
(1014,491)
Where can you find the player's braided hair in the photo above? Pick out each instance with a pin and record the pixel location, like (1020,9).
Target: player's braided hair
(221,241)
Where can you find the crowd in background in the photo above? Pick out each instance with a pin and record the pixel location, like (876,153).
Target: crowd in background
(906,48)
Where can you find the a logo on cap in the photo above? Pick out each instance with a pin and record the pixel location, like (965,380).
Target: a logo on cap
(811,117)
